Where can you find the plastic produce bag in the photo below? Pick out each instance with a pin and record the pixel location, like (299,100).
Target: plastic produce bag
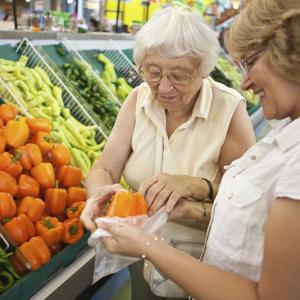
(106,263)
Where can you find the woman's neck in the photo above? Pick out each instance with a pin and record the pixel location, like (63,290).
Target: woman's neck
(174,118)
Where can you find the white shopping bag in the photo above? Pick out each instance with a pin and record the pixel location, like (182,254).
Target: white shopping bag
(106,263)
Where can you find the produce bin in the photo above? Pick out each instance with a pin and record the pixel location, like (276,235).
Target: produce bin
(87,85)
(27,286)
(33,281)
(79,109)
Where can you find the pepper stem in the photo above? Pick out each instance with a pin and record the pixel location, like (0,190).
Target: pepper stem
(73,229)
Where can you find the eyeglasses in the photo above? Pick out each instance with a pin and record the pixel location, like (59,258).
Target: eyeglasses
(153,75)
(246,64)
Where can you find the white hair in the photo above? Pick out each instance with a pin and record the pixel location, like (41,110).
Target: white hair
(176,32)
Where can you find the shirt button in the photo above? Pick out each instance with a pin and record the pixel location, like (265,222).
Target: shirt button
(253,157)
(229,195)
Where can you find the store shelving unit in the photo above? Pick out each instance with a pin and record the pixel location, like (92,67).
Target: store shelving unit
(64,280)
(73,51)
(123,65)
(9,97)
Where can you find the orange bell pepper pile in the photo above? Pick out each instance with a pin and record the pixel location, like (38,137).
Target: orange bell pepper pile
(75,210)
(56,200)
(76,194)
(35,251)
(73,231)
(124,204)
(41,194)
(7,206)
(34,208)
(51,229)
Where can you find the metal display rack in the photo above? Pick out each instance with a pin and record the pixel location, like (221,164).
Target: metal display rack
(123,65)
(70,101)
(9,97)
(73,51)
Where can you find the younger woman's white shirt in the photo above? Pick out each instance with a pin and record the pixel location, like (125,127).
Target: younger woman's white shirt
(268,170)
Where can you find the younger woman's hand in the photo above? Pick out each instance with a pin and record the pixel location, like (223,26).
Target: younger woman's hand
(125,240)
(192,210)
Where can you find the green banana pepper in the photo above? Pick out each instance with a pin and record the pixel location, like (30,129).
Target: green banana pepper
(75,133)
(43,75)
(57,93)
(6,281)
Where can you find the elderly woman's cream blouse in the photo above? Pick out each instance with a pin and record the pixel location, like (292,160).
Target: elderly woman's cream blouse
(193,148)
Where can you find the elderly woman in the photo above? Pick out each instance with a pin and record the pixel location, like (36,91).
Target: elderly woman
(252,249)
(175,132)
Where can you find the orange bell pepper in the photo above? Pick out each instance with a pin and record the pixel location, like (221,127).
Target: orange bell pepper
(30,155)
(7,112)
(10,164)
(8,207)
(20,229)
(33,208)
(60,155)
(44,140)
(38,124)
(125,204)
(76,194)
(44,174)
(56,200)
(73,231)
(16,133)
(28,186)
(69,176)
(75,210)
(35,251)
(8,183)
(2,143)
(50,229)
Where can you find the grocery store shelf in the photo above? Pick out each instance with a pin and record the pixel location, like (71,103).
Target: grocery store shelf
(89,40)
(47,35)
(69,283)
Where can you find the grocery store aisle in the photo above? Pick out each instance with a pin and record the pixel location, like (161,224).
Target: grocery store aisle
(124,293)
(113,287)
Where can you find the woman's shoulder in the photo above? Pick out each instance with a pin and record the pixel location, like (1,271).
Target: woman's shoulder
(221,91)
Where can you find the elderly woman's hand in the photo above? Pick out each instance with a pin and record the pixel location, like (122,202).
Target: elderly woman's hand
(95,203)
(192,210)
(126,240)
(165,189)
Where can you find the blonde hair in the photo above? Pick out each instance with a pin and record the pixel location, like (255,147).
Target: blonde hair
(175,32)
(272,26)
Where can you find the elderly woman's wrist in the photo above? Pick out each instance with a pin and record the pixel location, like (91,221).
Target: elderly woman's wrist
(202,189)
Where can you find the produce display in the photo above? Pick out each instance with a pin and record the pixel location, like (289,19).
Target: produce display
(35,91)
(118,85)
(80,74)
(8,274)
(231,72)
(41,197)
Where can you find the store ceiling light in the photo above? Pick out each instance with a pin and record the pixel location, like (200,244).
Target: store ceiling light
(69,1)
